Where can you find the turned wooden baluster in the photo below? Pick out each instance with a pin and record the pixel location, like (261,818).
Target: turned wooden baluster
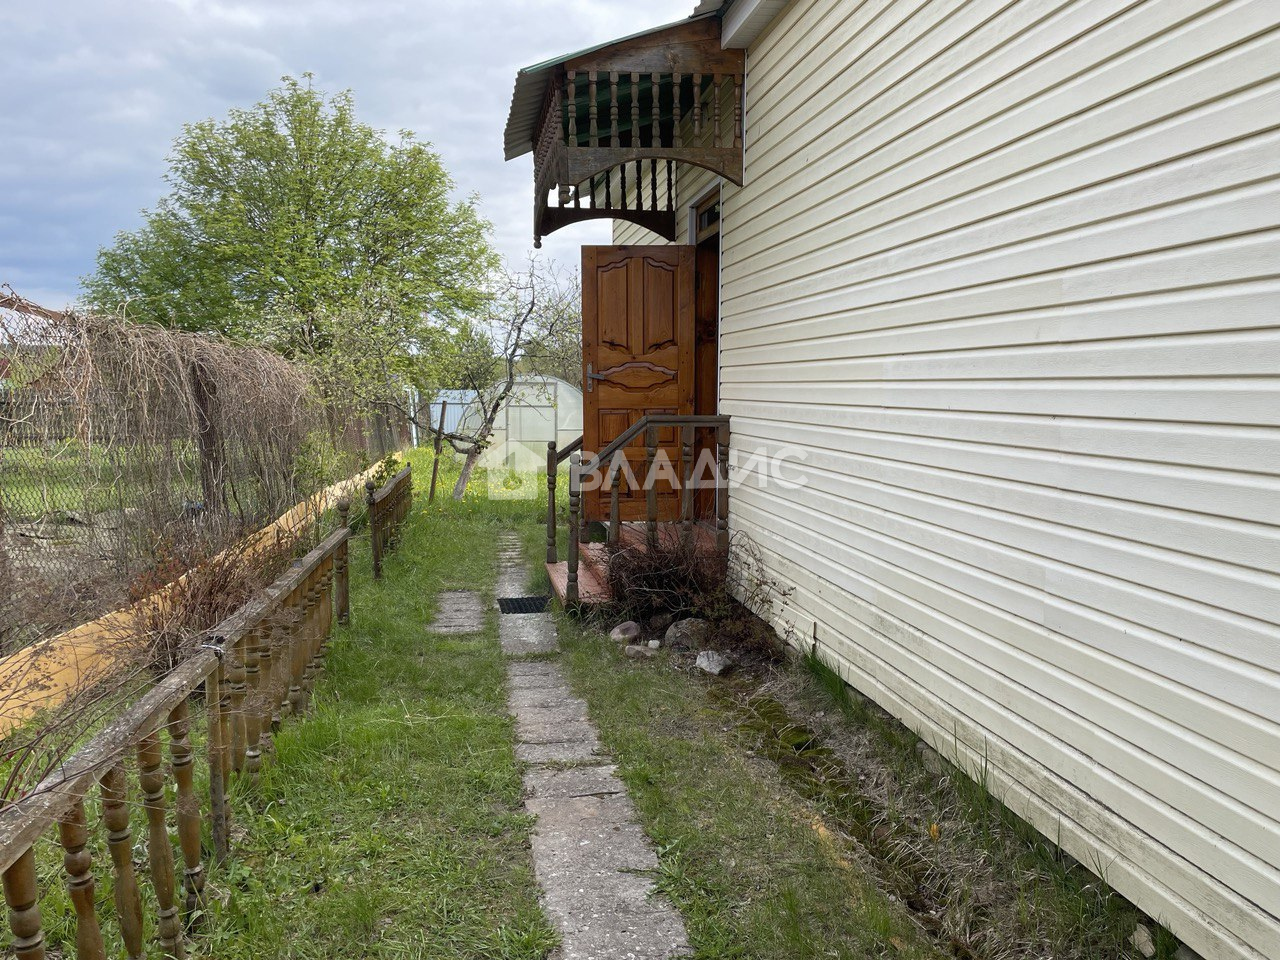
(159,850)
(73,833)
(613,110)
(677,110)
(375,532)
(342,599)
(722,487)
(697,106)
(308,643)
(575,496)
(188,813)
(573,108)
(115,814)
(655,129)
(551,501)
(252,707)
(236,677)
(651,486)
(737,111)
(717,138)
(218,819)
(593,133)
(635,111)
(686,494)
(22,894)
(298,649)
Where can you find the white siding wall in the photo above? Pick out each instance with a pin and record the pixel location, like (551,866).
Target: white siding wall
(1006,273)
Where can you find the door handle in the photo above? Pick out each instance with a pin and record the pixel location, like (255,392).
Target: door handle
(591,377)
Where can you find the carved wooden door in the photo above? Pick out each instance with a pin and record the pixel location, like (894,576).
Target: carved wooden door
(638,359)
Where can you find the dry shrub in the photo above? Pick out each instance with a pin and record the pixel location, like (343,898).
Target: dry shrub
(673,579)
(127,451)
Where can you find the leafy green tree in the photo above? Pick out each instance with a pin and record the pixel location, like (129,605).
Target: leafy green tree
(294,225)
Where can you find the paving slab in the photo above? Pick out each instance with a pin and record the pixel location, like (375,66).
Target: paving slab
(460,611)
(524,634)
(590,855)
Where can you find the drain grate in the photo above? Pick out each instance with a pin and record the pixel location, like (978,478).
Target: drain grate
(523,604)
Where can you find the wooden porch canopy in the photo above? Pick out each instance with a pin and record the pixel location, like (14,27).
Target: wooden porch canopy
(607,126)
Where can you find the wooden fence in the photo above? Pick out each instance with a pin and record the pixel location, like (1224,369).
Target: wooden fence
(388,509)
(256,668)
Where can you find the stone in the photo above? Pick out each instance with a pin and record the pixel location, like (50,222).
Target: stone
(931,759)
(660,622)
(625,632)
(1142,941)
(655,644)
(712,662)
(637,652)
(686,634)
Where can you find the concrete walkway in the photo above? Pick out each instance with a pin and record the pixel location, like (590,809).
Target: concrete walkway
(590,856)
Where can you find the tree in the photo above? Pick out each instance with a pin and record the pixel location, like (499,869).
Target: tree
(286,217)
(528,311)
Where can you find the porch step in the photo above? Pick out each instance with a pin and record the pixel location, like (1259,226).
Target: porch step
(593,559)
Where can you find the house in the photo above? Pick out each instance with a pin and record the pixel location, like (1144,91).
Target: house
(1002,276)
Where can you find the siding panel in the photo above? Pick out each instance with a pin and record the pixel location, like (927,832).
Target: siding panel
(1005,275)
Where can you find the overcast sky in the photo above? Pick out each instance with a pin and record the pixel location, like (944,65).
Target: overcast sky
(92,95)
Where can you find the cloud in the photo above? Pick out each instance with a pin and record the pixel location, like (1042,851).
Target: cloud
(93,94)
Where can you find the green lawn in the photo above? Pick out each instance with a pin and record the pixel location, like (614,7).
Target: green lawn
(391,824)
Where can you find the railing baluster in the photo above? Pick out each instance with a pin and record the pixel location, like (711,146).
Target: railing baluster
(593,134)
(159,849)
(635,110)
(651,487)
(575,496)
(236,675)
(717,137)
(573,108)
(686,494)
(217,785)
(342,600)
(115,814)
(375,533)
(677,110)
(251,709)
(188,806)
(655,131)
(697,108)
(615,525)
(77,861)
(722,487)
(614,140)
(22,894)
(737,111)
(297,624)
(552,465)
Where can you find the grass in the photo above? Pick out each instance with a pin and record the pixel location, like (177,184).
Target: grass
(751,865)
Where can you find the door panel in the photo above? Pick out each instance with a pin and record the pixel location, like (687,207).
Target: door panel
(638,359)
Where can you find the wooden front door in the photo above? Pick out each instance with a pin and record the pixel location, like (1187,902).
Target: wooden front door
(638,359)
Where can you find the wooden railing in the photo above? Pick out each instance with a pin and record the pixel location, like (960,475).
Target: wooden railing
(256,668)
(555,457)
(388,509)
(611,457)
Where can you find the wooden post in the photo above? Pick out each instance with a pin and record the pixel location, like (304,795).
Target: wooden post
(615,519)
(297,648)
(375,531)
(722,487)
(651,487)
(22,894)
(159,850)
(115,814)
(575,497)
(73,833)
(188,806)
(686,494)
(552,466)
(439,448)
(342,582)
